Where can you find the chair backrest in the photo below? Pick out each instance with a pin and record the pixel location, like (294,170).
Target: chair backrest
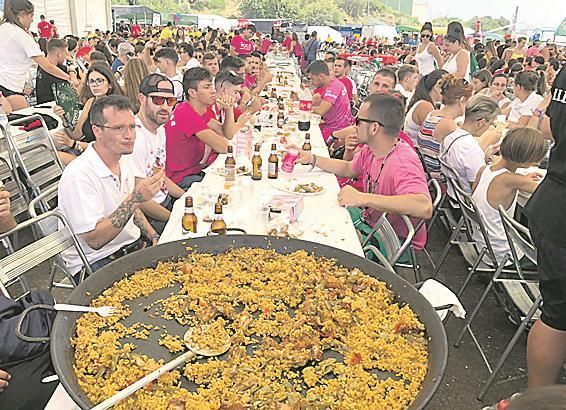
(436,196)
(18,202)
(389,238)
(449,173)
(16,264)
(36,155)
(45,202)
(519,238)
(474,219)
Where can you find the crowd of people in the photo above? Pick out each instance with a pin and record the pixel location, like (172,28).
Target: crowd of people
(158,105)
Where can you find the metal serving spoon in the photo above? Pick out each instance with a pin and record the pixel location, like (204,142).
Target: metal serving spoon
(193,351)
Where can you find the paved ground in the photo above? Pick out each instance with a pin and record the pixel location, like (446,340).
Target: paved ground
(465,372)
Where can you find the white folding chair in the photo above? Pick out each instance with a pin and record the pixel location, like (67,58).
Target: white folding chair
(35,154)
(521,288)
(393,248)
(13,266)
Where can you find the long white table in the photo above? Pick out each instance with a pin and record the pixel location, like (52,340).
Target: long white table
(322,219)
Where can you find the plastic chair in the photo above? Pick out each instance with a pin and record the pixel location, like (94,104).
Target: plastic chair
(13,266)
(522,290)
(18,201)
(35,154)
(392,247)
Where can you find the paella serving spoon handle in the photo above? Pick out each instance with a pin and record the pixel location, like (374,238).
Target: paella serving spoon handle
(102,311)
(131,389)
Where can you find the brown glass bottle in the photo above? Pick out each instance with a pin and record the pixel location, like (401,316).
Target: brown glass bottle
(307,144)
(189,218)
(273,163)
(256,164)
(280,119)
(218,226)
(230,166)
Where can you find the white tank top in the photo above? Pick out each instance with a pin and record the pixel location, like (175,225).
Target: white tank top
(411,128)
(452,66)
(491,217)
(425,61)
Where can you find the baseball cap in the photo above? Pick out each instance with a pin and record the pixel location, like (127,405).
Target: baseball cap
(150,84)
(125,48)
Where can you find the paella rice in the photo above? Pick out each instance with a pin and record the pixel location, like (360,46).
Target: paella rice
(306,333)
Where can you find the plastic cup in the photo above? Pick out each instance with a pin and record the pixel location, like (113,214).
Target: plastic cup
(288,163)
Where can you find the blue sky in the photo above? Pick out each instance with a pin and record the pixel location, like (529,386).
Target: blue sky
(532,12)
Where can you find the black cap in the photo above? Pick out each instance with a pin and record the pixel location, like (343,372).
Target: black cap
(150,85)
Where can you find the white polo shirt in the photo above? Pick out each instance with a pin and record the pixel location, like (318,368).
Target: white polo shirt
(520,108)
(149,151)
(88,192)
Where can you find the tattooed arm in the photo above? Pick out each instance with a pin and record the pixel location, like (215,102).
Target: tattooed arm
(145,227)
(110,226)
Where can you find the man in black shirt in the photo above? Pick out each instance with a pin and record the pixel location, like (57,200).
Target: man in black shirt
(56,54)
(546,348)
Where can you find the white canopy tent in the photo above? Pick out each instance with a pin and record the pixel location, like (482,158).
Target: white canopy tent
(323,32)
(214,21)
(76,17)
(380,29)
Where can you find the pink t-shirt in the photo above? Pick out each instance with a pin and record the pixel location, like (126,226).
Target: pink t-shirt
(242,45)
(340,114)
(533,52)
(250,81)
(265,45)
(287,42)
(183,148)
(402,174)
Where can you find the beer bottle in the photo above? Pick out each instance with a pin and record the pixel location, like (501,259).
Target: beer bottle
(230,167)
(273,163)
(280,119)
(189,218)
(256,164)
(307,143)
(218,226)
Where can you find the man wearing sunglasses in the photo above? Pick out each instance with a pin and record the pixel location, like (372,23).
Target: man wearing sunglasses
(157,100)
(392,175)
(125,52)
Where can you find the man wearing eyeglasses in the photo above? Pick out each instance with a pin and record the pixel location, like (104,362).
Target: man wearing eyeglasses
(98,194)
(125,52)
(393,178)
(157,100)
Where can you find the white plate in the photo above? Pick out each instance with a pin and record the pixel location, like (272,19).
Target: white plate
(289,186)
(222,171)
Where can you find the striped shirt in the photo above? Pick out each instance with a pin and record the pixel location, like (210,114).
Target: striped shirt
(429,147)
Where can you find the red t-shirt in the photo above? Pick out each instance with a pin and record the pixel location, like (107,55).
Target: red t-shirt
(45,29)
(136,30)
(184,150)
(242,45)
(287,42)
(348,84)
(265,45)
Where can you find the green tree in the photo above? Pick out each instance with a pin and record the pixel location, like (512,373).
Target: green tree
(488,22)
(268,9)
(444,20)
(353,8)
(321,12)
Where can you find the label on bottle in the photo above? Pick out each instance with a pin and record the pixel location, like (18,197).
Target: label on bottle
(230,171)
(188,210)
(280,122)
(305,105)
(218,217)
(272,168)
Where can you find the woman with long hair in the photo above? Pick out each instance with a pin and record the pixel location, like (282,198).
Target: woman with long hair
(427,94)
(455,44)
(526,88)
(296,47)
(134,72)
(20,52)
(427,53)
(180,35)
(99,83)
(455,94)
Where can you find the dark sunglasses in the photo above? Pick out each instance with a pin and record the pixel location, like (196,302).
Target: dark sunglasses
(426,36)
(358,120)
(158,100)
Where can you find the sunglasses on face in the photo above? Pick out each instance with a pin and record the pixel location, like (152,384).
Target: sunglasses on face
(358,120)
(426,36)
(158,100)
(96,81)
